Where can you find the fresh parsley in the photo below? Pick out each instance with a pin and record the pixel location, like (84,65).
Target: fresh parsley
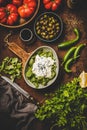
(67,108)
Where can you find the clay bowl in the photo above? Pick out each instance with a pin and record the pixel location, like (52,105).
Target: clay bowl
(50,82)
(48,15)
(27,21)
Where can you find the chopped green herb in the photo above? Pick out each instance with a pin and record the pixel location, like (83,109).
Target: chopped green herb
(67,108)
(11,66)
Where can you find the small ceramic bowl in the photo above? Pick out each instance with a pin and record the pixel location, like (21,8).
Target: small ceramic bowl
(27,65)
(44,27)
(26,35)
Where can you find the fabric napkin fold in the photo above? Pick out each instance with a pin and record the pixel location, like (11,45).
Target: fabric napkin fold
(16,113)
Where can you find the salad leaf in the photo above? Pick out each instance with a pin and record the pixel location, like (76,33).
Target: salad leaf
(11,66)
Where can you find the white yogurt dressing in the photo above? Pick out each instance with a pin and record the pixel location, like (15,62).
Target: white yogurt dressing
(42,66)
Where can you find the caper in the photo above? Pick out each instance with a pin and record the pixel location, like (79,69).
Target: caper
(44,33)
(50,19)
(48,29)
(38,32)
(57,24)
(53,26)
(41,18)
(45,23)
(43,36)
(37,27)
(45,16)
(50,24)
(47,37)
(57,28)
(51,32)
(41,22)
(55,34)
(43,28)
(51,36)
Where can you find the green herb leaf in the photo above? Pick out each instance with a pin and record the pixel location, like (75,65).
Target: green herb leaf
(11,66)
(67,108)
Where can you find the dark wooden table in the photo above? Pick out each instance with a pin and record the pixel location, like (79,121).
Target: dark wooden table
(71,19)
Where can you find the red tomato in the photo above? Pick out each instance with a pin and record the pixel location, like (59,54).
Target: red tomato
(2,15)
(11,8)
(12,18)
(24,11)
(13,14)
(32,4)
(48,5)
(27,9)
(28,1)
(46,1)
(8,15)
(58,2)
(17,2)
(51,4)
(54,6)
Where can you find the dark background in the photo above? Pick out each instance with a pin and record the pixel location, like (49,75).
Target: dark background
(71,19)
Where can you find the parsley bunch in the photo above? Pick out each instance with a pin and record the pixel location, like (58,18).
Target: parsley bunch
(67,108)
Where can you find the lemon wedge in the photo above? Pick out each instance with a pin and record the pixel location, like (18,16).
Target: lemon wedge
(83,79)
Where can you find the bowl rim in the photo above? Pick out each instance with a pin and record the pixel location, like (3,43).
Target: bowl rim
(21,25)
(26,29)
(61,23)
(57,68)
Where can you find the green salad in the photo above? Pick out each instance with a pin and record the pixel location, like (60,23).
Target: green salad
(41,67)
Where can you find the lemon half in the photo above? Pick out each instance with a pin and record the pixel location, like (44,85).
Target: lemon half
(83,79)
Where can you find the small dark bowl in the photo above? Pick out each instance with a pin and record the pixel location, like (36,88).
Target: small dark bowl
(57,17)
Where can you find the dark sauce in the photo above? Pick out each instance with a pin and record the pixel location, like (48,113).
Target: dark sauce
(26,34)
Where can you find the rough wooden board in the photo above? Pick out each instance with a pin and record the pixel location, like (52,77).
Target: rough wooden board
(71,19)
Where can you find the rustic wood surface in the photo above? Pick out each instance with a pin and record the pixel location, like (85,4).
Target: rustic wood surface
(71,19)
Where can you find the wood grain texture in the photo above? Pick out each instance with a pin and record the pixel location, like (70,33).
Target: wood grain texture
(71,18)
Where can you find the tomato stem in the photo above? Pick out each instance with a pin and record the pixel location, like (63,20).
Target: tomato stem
(7,12)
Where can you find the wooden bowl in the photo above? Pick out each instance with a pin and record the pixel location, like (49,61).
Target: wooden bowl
(27,22)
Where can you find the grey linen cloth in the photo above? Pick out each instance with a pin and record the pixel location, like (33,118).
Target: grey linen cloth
(16,113)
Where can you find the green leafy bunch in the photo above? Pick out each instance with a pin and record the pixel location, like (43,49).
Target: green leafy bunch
(11,66)
(67,108)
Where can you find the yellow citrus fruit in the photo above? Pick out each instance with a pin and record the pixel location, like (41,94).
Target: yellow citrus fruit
(83,79)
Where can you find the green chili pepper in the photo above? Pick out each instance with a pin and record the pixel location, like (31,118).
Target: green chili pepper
(68,63)
(68,54)
(78,49)
(70,42)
